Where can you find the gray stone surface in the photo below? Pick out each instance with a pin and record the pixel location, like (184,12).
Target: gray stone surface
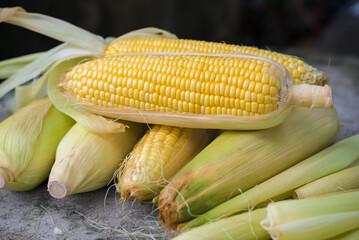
(99,215)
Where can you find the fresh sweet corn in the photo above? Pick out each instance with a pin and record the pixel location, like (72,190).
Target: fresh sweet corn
(86,161)
(28,142)
(193,90)
(282,185)
(238,160)
(343,180)
(313,218)
(300,71)
(156,158)
(245,226)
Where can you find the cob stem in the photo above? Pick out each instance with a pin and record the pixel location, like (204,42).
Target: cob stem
(58,189)
(5,176)
(312,96)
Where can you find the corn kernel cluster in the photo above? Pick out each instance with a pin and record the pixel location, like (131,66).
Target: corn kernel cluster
(181,83)
(300,71)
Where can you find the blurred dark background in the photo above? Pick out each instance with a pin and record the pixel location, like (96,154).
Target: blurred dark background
(309,25)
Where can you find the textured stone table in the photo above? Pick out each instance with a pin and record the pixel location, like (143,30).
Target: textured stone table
(99,215)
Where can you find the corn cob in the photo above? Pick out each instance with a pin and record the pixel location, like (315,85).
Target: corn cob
(313,218)
(340,181)
(239,160)
(28,142)
(316,166)
(156,158)
(86,161)
(245,226)
(300,71)
(201,91)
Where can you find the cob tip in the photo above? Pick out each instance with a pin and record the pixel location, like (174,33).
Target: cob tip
(5,177)
(58,189)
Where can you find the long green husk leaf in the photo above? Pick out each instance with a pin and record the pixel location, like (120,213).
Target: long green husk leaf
(317,166)
(340,181)
(239,160)
(350,235)
(11,66)
(245,226)
(314,218)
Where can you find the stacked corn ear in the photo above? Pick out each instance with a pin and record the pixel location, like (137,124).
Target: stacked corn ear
(245,226)
(238,160)
(313,218)
(344,180)
(86,161)
(156,158)
(316,166)
(191,90)
(300,71)
(28,142)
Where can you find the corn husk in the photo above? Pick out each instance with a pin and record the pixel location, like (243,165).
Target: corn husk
(239,160)
(245,226)
(340,181)
(86,161)
(11,66)
(314,218)
(28,142)
(350,235)
(316,166)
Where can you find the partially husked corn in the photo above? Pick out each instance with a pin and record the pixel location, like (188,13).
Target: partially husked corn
(156,158)
(300,71)
(197,90)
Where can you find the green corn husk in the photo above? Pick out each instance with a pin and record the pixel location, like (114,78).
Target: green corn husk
(350,235)
(314,218)
(239,160)
(340,181)
(317,166)
(245,226)
(86,161)
(11,66)
(28,142)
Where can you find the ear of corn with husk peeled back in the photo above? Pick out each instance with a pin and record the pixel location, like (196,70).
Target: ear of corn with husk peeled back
(156,158)
(316,166)
(86,161)
(28,142)
(238,160)
(191,90)
(313,218)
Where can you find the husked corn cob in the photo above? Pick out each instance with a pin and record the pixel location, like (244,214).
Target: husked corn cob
(300,71)
(157,157)
(220,88)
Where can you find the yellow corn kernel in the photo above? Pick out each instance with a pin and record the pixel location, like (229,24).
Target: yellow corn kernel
(300,71)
